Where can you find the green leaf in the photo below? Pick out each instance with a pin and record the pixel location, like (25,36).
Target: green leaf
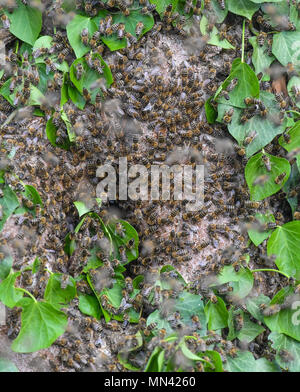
(71,133)
(249,331)
(41,325)
(214,38)
(9,203)
(216,360)
(74,29)
(286,47)
(153,365)
(258,236)
(56,295)
(118,240)
(242,7)
(5,265)
(241,281)
(51,135)
(167,268)
(81,208)
(247,85)
(211,114)
(32,194)
(265,127)
(253,304)
(88,304)
(284,243)
(90,76)
(9,295)
(286,322)
(282,342)
(123,361)
(245,362)
(161,5)
(260,59)
(282,294)
(217,11)
(255,168)
(76,97)
(64,96)
(26,23)
(188,353)
(7,366)
(216,314)
(294,82)
(36,265)
(291,185)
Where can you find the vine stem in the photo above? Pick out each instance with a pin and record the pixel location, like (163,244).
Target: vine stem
(26,292)
(269,270)
(243,41)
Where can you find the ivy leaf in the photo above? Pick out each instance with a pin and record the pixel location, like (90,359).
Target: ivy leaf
(284,243)
(294,82)
(217,11)
(245,362)
(281,342)
(74,29)
(242,7)
(211,114)
(241,281)
(7,366)
(90,76)
(265,127)
(291,185)
(122,358)
(294,143)
(216,314)
(155,362)
(258,236)
(286,47)
(56,295)
(9,203)
(9,295)
(32,194)
(26,23)
(81,208)
(253,304)
(260,59)
(161,5)
(214,38)
(249,331)
(71,133)
(118,240)
(5,265)
(76,97)
(247,85)
(51,135)
(255,168)
(41,325)
(282,295)
(284,322)
(88,304)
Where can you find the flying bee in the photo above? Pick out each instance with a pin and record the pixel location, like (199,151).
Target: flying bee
(65,279)
(84,36)
(261,180)
(278,180)
(50,66)
(139,28)
(249,138)
(228,116)
(267,162)
(286,356)
(269,310)
(5,21)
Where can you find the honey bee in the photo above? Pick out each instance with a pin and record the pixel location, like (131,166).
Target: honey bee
(139,28)
(128,285)
(123,255)
(78,71)
(296,92)
(188,6)
(262,21)
(197,8)
(39,52)
(5,21)
(123,8)
(65,280)
(86,94)
(98,66)
(94,40)
(267,162)
(282,102)
(228,116)
(222,4)
(148,9)
(249,138)
(238,321)
(278,180)
(84,36)
(261,38)
(50,66)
